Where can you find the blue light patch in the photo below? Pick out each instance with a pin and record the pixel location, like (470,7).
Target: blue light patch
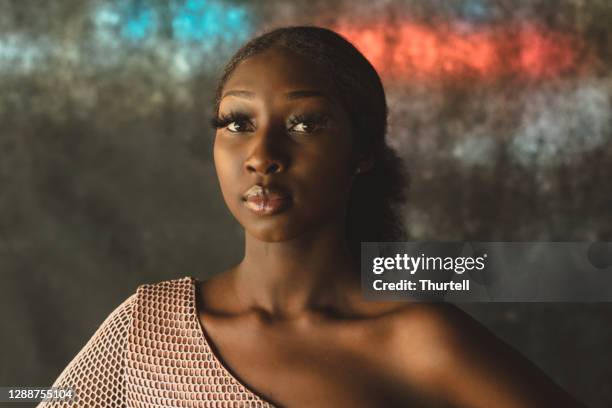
(202,32)
(140,23)
(210,21)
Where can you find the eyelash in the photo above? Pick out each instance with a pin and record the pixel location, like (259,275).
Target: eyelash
(316,120)
(225,120)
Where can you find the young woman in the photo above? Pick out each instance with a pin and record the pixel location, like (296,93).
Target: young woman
(303,165)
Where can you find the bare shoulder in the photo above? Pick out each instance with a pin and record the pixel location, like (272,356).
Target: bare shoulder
(441,348)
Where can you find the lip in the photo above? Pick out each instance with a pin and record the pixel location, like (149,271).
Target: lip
(267,200)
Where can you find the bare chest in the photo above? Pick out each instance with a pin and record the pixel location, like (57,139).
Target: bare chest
(324,367)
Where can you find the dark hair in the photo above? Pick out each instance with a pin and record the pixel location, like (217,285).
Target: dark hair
(374,209)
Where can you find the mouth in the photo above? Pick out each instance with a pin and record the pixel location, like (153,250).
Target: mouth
(267,200)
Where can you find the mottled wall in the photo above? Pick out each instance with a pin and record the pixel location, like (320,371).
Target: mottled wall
(502,110)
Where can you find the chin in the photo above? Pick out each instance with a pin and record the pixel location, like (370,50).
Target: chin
(280,227)
(271,230)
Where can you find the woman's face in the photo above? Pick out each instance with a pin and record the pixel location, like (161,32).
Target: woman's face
(283,147)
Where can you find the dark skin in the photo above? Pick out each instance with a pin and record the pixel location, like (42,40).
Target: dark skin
(289,320)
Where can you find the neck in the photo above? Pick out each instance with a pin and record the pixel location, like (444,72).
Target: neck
(288,279)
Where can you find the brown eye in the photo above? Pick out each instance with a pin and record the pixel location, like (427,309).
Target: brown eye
(234,122)
(301,127)
(236,127)
(308,123)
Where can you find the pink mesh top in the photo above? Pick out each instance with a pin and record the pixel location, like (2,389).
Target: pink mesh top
(152,352)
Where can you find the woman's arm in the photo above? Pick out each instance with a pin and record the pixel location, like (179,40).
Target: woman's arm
(96,372)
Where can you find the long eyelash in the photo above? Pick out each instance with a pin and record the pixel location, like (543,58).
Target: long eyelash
(317,119)
(224,120)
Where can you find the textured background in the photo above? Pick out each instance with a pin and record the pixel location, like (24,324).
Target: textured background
(502,110)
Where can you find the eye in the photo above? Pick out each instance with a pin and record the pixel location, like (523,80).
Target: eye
(302,127)
(233,122)
(309,123)
(236,126)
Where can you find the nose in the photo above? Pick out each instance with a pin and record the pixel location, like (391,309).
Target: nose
(267,155)
(264,167)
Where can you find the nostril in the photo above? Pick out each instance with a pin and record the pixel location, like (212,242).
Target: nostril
(264,168)
(273,168)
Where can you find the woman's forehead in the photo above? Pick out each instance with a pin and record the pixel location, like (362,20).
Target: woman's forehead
(279,70)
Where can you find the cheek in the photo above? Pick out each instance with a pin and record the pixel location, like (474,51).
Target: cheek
(226,167)
(326,179)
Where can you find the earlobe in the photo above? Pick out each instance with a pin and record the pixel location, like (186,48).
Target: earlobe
(363,165)
(367,165)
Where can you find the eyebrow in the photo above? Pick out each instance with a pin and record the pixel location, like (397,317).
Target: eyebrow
(289,95)
(240,94)
(306,94)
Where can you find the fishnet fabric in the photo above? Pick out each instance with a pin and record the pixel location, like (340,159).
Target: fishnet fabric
(96,374)
(151,352)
